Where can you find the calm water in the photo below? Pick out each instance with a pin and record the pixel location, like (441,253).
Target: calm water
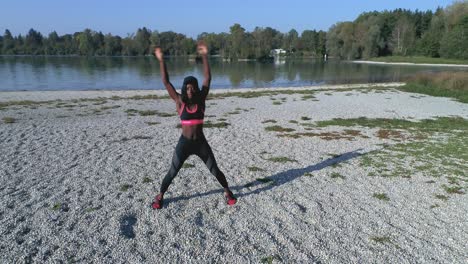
(127,73)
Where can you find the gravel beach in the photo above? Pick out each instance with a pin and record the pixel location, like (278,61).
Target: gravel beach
(79,170)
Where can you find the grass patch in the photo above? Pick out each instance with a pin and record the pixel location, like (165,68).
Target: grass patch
(109,107)
(437,124)
(441,155)
(165,114)
(307,96)
(209,124)
(276,103)
(305,118)
(293,122)
(147,112)
(254,94)
(381,240)
(389,134)
(270,259)
(100,102)
(381,196)
(253,168)
(56,206)
(188,165)
(91,209)
(324,135)
(147,180)
(453,189)
(153,123)
(309,174)
(22,103)
(434,206)
(335,175)
(279,129)
(443,84)
(125,187)
(281,159)
(60,103)
(132,112)
(418,59)
(269,121)
(9,120)
(441,197)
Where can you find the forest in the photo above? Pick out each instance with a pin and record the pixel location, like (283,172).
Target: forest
(439,34)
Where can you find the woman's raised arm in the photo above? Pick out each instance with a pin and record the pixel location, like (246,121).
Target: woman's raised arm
(203,51)
(165,76)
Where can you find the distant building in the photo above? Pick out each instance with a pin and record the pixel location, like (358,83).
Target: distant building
(277,52)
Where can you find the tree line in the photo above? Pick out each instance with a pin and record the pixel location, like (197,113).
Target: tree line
(443,33)
(238,43)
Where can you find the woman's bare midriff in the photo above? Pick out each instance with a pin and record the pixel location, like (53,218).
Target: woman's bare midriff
(192,132)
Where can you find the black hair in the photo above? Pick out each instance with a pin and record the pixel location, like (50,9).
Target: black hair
(196,96)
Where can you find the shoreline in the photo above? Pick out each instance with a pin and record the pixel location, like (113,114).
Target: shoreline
(409,63)
(8,96)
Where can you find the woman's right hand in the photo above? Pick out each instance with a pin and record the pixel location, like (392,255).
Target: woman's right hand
(158,53)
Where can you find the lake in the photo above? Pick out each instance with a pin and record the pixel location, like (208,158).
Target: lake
(42,73)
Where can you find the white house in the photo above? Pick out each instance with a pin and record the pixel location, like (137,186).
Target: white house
(277,52)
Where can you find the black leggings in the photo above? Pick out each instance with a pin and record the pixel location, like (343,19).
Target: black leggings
(186,147)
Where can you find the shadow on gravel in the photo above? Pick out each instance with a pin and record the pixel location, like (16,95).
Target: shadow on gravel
(126,226)
(276,180)
(292,174)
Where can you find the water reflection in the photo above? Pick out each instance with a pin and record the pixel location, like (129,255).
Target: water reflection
(117,73)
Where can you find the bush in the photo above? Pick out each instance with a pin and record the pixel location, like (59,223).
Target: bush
(444,84)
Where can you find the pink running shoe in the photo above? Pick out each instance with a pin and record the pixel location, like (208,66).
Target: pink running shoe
(158,202)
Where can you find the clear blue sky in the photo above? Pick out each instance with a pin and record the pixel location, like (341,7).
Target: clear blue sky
(120,17)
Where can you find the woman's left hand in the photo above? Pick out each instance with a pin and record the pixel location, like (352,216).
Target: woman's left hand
(202,48)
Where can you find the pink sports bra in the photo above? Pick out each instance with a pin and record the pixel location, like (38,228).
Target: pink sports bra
(192,117)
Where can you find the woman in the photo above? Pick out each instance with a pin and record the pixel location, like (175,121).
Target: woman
(191,108)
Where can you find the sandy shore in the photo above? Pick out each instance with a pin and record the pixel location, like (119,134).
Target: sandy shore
(71,95)
(77,180)
(410,63)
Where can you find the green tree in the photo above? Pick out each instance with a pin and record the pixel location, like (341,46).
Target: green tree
(112,45)
(321,43)
(291,41)
(187,46)
(98,43)
(20,47)
(33,42)
(143,41)
(70,45)
(455,42)
(51,44)
(167,40)
(309,40)
(263,39)
(8,43)
(403,36)
(236,39)
(128,46)
(154,39)
(85,43)
(455,13)
(429,43)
